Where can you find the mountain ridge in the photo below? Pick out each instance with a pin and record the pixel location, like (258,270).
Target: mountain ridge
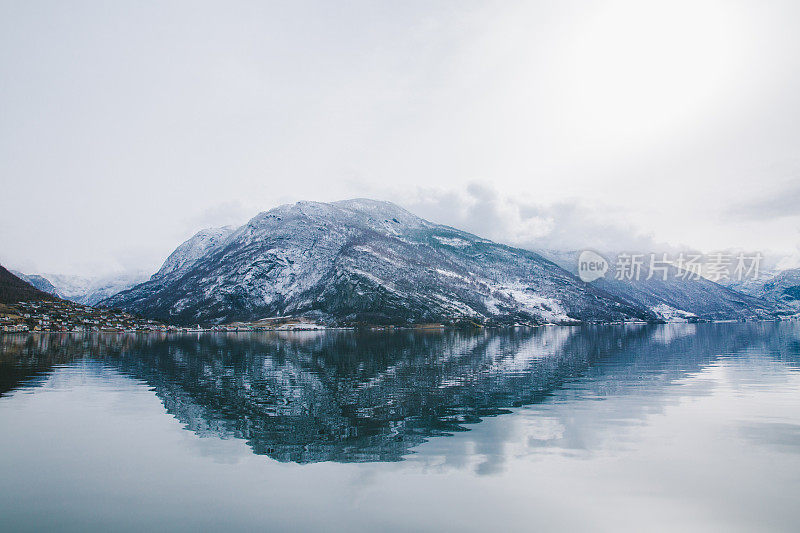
(364,261)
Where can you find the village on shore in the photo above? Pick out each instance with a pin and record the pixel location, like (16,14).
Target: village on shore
(69,317)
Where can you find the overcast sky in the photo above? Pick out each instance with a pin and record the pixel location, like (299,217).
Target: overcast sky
(125,127)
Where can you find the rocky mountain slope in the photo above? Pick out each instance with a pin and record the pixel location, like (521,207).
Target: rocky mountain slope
(188,253)
(40,282)
(675,297)
(363,261)
(781,287)
(13,289)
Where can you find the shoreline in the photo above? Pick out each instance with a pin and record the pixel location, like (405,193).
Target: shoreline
(180,330)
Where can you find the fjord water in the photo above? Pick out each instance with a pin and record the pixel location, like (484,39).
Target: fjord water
(603,428)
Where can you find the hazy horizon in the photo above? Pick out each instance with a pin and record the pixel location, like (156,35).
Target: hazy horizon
(127,128)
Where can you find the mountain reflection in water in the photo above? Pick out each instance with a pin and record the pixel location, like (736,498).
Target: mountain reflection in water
(359,397)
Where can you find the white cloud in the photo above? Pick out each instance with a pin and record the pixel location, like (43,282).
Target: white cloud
(485,211)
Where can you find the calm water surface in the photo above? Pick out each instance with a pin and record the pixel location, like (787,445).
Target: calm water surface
(669,427)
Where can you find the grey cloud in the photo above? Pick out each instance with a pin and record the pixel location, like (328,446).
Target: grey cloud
(484,211)
(779,204)
(222,214)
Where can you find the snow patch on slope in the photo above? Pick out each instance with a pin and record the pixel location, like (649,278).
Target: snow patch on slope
(671,314)
(455,242)
(187,254)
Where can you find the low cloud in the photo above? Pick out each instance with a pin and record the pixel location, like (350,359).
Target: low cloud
(777,204)
(232,213)
(486,212)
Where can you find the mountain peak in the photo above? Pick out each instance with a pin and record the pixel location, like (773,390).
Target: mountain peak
(375,215)
(379,210)
(193,249)
(369,205)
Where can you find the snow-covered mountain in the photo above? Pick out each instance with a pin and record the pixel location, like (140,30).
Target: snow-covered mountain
(89,290)
(40,282)
(781,287)
(675,297)
(15,289)
(363,261)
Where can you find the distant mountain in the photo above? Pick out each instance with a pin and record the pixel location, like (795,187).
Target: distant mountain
(92,290)
(784,287)
(363,261)
(685,298)
(675,297)
(40,282)
(13,289)
(82,289)
(781,287)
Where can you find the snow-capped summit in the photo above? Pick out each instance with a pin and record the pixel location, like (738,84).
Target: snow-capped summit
(380,212)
